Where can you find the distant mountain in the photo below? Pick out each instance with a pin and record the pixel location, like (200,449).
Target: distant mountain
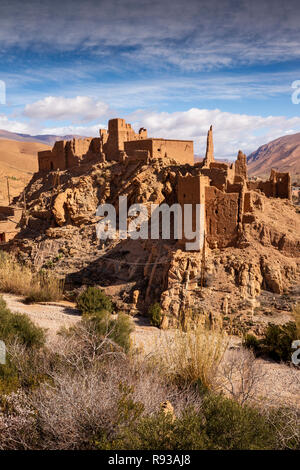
(46,139)
(282,154)
(199,159)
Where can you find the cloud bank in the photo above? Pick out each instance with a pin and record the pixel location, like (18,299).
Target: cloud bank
(82,108)
(232,131)
(186,34)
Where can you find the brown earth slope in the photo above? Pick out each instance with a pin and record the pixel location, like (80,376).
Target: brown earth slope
(18,162)
(283,154)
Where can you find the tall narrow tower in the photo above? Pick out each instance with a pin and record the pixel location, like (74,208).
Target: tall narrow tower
(209,156)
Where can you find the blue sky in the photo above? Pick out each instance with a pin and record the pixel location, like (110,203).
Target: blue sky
(174,67)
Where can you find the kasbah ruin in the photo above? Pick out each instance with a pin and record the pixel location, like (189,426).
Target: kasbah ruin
(247,272)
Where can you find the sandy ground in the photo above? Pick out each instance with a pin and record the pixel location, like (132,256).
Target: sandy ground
(280,383)
(51,316)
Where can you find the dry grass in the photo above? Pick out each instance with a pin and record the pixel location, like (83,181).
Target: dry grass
(192,356)
(17,278)
(79,400)
(14,277)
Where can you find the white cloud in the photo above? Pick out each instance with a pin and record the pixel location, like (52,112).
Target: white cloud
(80,108)
(14,126)
(232,132)
(88,131)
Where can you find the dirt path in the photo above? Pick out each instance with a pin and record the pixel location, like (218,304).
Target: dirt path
(51,316)
(280,384)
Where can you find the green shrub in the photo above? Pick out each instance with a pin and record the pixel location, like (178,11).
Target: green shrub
(116,329)
(221,424)
(251,342)
(232,426)
(154,313)
(19,326)
(94,300)
(276,342)
(9,380)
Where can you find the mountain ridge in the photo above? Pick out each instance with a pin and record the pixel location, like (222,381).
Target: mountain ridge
(282,154)
(47,139)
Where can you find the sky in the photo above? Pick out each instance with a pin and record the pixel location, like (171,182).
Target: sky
(172,66)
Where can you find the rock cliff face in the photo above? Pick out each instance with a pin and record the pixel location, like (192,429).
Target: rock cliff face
(260,270)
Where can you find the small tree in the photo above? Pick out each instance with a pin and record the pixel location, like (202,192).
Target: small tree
(94,301)
(154,313)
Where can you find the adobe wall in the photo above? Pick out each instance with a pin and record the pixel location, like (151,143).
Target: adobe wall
(9,218)
(53,159)
(118,133)
(283,184)
(278,185)
(191,190)
(218,177)
(222,212)
(240,168)
(67,154)
(180,150)
(111,145)
(138,145)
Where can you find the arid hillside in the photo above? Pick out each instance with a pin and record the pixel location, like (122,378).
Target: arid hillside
(18,162)
(282,154)
(60,234)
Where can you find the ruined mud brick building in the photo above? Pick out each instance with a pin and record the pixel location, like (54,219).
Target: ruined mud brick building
(223,190)
(118,143)
(10,216)
(227,195)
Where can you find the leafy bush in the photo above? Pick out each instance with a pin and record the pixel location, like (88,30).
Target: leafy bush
(276,342)
(220,424)
(94,300)
(16,328)
(9,380)
(278,339)
(19,326)
(232,426)
(115,330)
(251,342)
(154,313)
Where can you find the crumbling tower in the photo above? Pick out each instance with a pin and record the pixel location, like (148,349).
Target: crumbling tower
(240,167)
(209,156)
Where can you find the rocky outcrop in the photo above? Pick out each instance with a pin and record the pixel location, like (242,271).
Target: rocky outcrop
(225,284)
